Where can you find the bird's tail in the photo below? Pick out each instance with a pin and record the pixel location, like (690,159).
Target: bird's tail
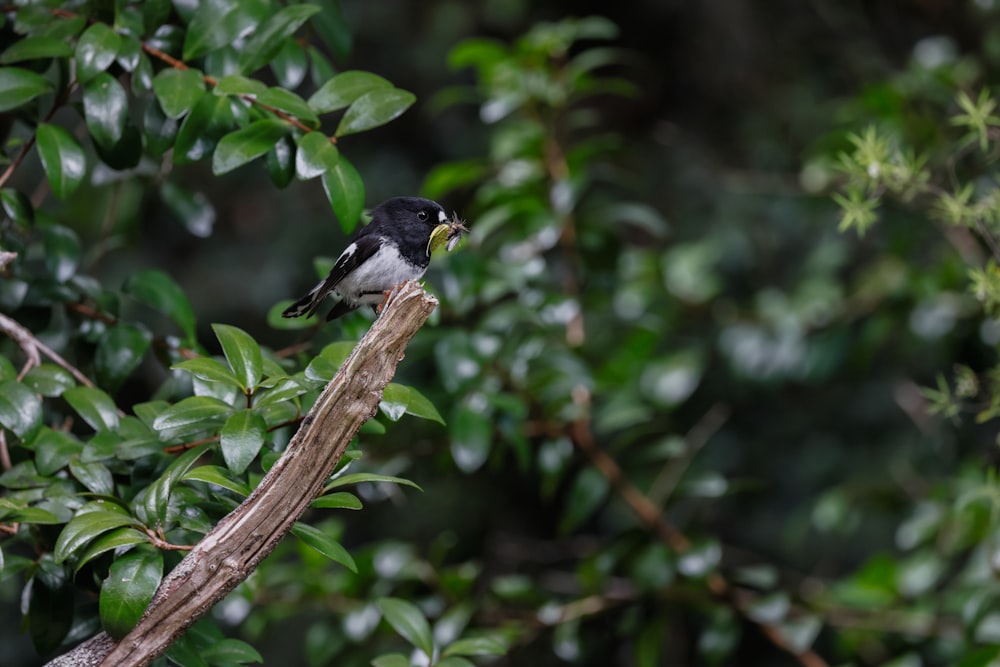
(308,304)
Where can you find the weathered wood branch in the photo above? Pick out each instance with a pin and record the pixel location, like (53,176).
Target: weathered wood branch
(236,546)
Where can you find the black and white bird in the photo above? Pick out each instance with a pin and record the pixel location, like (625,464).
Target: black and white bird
(394,247)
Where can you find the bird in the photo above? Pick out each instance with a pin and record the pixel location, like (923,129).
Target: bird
(394,247)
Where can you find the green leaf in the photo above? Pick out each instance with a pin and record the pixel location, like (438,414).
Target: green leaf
(346,192)
(334,30)
(62,252)
(119,352)
(105,107)
(454,661)
(190,415)
(338,500)
(316,155)
(407,620)
(62,157)
(85,527)
(290,103)
(94,406)
(219,477)
(471,438)
(178,90)
(95,51)
(17,206)
(36,47)
(280,164)
(266,42)
(290,65)
(285,389)
(415,403)
(243,354)
(157,499)
(324,544)
(125,594)
(344,89)
(49,380)
(373,109)
(20,86)
(246,144)
(54,449)
(231,651)
(115,539)
(191,209)
(358,477)
(242,437)
(219,23)
(485,645)
(159,290)
(210,119)
(20,409)
(93,475)
(209,369)
(588,491)
(237,84)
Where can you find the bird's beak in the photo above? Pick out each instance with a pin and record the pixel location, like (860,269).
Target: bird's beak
(447,234)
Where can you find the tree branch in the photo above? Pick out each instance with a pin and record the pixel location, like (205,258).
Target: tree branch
(235,547)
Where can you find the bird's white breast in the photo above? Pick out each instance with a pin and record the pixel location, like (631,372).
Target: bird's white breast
(380,272)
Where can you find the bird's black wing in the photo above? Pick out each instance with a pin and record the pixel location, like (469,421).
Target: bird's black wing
(360,250)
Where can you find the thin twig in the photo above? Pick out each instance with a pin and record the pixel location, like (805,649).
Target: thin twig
(32,346)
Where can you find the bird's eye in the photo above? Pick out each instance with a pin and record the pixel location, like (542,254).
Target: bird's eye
(422,215)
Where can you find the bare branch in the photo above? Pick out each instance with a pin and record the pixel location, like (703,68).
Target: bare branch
(235,547)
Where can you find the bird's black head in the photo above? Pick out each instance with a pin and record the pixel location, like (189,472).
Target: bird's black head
(415,213)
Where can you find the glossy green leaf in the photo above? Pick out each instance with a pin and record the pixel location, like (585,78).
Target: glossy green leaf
(20,86)
(358,477)
(242,437)
(208,369)
(17,206)
(344,88)
(119,352)
(93,475)
(85,527)
(192,209)
(243,354)
(62,252)
(95,51)
(54,449)
(49,379)
(391,660)
(105,108)
(125,594)
(62,157)
(346,192)
(219,23)
(237,84)
(246,144)
(115,539)
(290,65)
(333,28)
(159,130)
(268,40)
(209,120)
(374,108)
(159,290)
(231,651)
(219,477)
(94,406)
(588,492)
(13,513)
(36,47)
(471,438)
(485,645)
(316,155)
(20,409)
(280,164)
(290,103)
(407,620)
(154,506)
(338,500)
(454,661)
(324,544)
(178,90)
(284,390)
(192,414)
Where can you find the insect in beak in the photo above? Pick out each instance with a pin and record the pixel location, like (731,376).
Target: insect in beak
(447,234)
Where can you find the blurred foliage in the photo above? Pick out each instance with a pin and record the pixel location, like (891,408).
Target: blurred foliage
(686,420)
